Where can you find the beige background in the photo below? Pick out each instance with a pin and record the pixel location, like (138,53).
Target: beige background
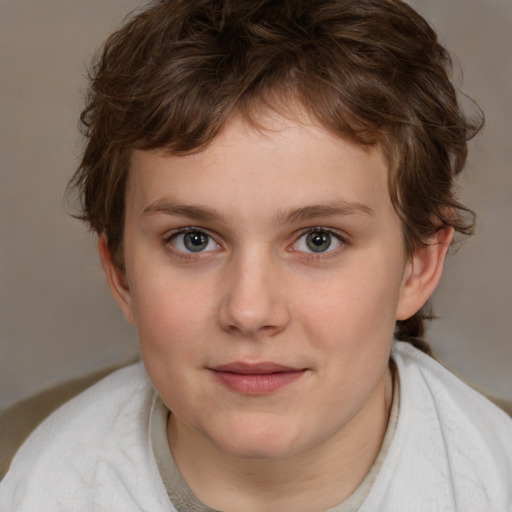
(57,319)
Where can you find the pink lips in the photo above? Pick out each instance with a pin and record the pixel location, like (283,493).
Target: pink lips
(256,379)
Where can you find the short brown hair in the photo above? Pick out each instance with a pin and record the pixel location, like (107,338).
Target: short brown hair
(371,71)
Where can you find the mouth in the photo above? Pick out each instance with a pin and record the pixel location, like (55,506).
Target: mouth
(256,379)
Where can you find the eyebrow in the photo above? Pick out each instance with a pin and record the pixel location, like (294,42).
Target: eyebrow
(198,213)
(206,214)
(338,208)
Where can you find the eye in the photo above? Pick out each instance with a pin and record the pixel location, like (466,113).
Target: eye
(318,240)
(193,240)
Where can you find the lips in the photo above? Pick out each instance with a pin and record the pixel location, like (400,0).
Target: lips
(256,379)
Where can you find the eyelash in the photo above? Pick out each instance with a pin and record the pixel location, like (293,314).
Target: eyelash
(310,254)
(189,230)
(334,236)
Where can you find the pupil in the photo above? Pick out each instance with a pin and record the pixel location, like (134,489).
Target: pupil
(195,241)
(318,241)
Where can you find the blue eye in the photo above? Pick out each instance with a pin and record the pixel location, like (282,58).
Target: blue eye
(193,240)
(318,241)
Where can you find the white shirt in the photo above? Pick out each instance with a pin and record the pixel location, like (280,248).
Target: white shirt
(451,450)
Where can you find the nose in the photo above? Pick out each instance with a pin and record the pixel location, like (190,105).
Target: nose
(253,302)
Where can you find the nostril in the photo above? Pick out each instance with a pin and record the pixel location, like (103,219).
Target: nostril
(253,318)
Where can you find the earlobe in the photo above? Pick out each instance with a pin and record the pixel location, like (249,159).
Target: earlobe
(423,273)
(116,279)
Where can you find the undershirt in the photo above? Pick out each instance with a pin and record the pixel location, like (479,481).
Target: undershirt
(184,500)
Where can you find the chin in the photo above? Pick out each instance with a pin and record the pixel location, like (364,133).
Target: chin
(258,441)
(258,450)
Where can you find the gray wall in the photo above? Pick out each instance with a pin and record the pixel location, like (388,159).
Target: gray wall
(57,319)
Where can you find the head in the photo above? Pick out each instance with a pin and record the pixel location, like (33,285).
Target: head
(272,183)
(371,72)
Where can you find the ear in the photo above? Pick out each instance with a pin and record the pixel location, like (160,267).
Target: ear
(116,279)
(423,273)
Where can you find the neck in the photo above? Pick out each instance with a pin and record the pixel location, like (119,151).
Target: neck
(315,479)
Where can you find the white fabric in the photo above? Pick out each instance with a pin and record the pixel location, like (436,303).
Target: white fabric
(91,455)
(452,450)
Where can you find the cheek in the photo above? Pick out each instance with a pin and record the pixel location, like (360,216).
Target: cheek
(354,303)
(171,337)
(169,314)
(351,327)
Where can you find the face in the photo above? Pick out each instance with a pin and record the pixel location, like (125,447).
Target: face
(264,276)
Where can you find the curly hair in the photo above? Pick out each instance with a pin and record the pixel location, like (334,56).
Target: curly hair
(370,71)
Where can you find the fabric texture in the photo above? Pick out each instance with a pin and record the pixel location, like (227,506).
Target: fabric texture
(451,450)
(20,419)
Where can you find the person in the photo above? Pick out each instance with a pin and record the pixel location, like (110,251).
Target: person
(272,185)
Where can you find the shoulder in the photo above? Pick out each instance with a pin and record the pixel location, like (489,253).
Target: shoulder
(95,411)
(450,397)
(452,448)
(97,440)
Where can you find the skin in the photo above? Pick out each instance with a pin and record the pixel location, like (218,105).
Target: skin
(257,292)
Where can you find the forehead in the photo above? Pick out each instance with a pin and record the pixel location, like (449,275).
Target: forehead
(276,164)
